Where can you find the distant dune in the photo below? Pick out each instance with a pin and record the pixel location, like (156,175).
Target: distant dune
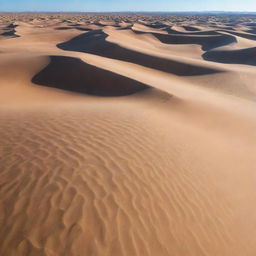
(127,135)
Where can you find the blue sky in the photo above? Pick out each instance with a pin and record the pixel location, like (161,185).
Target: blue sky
(127,5)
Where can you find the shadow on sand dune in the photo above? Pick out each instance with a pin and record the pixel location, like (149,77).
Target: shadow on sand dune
(243,34)
(207,42)
(156,25)
(172,31)
(94,42)
(190,28)
(74,75)
(243,56)
(73,27)
(10,33)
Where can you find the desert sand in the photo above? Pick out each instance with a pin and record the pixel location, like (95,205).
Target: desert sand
(127,135)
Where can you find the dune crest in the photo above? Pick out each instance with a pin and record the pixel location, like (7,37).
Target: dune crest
(95,42)
(127,135)
(74,75)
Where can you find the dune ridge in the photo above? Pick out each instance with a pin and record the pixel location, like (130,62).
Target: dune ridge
(95,43)
(242,56)
(74,75)
(127,134)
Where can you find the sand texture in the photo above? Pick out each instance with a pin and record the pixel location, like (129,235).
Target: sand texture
(127,135)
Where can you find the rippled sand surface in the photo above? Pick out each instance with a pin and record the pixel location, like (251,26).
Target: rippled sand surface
(127,135)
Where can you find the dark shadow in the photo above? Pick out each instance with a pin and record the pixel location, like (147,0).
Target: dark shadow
(64,28)
(11,26)
(223,28)
(252,31)
(244,56)
(74,27)
(252,24)
(124,28)
(244,35)
(94,42)
(156,25)
(192,33)
(72,74)
(190,28)
(207,42)
(10,33)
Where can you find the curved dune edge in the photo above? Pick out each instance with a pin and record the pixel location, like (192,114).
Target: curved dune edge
(74,75)
(78,28)
(11,34)
(149,174)
(208,42)
(246,35)
(94,42)
(9,31)
(242,56)
(191,28)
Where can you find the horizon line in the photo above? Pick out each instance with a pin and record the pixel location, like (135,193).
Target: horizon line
(163,12)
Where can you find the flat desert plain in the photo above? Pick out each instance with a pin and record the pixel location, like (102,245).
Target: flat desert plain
(127,135)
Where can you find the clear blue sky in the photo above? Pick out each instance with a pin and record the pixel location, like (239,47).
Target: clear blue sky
(127,5)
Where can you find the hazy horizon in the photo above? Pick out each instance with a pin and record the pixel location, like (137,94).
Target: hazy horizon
(124,6)
(135,12)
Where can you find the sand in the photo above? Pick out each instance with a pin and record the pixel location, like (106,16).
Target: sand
(127,135)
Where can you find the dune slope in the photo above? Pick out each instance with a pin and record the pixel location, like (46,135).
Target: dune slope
(166,169)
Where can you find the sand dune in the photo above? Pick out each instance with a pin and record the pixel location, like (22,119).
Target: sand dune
(243,56)
(191,28)
(74,75)
(8,31)
(79,28)
(95,43)
(250,36)
(207,42)
(127,134)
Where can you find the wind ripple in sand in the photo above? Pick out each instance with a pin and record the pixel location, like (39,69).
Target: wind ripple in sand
(79,183)
(144,175)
